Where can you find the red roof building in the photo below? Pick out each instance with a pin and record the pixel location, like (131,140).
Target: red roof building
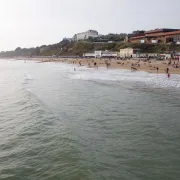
(157,36)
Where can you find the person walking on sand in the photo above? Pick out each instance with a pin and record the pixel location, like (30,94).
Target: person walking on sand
(157,69)
(167,70)
(169,75)
(95,65)
(107,65)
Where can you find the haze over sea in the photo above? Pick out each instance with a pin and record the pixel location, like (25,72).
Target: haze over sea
(89,124)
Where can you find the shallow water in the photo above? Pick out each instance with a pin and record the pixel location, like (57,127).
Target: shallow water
(56,123)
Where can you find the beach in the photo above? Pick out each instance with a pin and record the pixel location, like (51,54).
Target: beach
(149,66)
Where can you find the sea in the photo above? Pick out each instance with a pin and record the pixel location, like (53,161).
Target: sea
(88,124)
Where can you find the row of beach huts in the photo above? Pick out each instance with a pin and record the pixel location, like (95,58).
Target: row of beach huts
(125,53)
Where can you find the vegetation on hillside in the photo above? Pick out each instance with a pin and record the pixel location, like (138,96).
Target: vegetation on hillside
(109,37)
(65,48)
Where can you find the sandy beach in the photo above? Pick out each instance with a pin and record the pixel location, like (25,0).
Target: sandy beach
(134,65)
(131,64)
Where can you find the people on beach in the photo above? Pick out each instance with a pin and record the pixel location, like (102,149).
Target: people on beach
(107,64)
(95,65)
(167,70)
(134,65)
(157,69)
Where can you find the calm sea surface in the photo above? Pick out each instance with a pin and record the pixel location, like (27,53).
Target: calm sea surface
(60,124)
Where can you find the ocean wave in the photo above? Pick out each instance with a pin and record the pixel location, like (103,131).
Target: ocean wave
(155,80)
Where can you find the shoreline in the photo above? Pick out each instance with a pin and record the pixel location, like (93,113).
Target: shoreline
(149,66)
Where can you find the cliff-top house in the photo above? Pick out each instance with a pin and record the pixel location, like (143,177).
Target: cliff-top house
(85,35)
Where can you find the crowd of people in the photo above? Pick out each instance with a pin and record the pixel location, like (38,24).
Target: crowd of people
(151,66)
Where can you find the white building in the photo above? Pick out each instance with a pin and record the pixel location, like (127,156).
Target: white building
(89,54)
(165,56)
(98,54)
(109,54)
(128,52)
(101,54)
(85,35)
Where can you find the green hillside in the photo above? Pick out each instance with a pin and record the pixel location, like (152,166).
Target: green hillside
(65,48)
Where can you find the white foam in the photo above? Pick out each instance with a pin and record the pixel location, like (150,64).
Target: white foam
(28,77)
(160,80)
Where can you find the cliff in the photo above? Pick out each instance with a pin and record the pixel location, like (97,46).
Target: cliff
(65,48)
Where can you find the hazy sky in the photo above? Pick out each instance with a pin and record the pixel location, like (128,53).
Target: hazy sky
(29,23)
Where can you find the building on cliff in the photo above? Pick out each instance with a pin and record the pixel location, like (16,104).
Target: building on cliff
(155,36)
(85,35)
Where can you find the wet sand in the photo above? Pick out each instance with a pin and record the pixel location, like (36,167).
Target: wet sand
(134,65)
